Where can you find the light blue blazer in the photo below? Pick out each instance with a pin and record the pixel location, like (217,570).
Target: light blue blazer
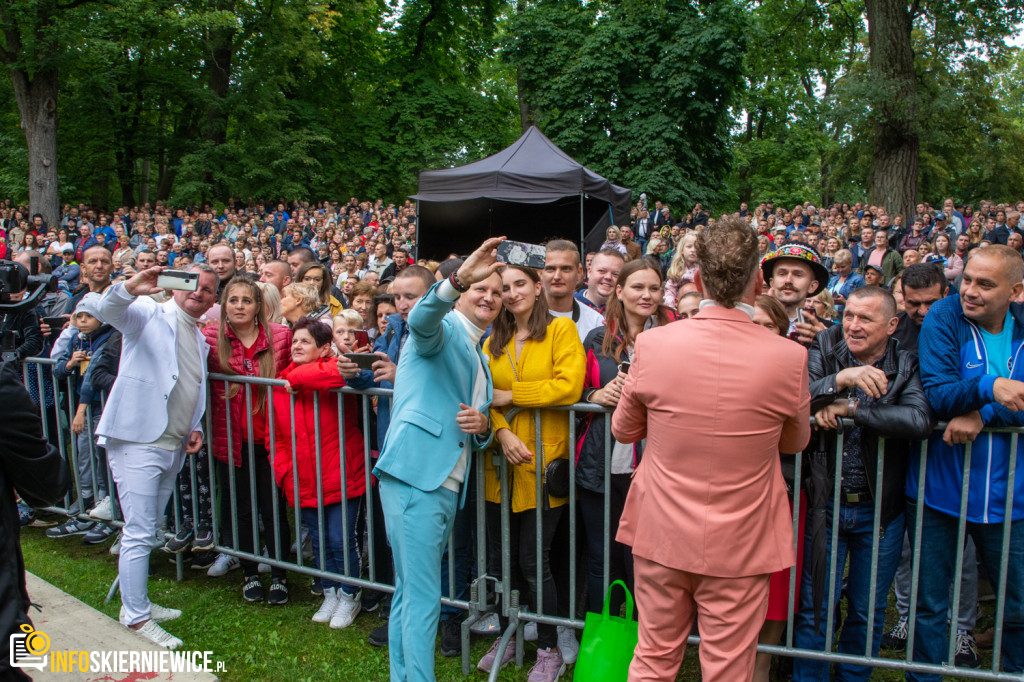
(436,371)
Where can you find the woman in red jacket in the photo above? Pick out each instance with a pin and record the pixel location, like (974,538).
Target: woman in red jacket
(246,344)
(311,375)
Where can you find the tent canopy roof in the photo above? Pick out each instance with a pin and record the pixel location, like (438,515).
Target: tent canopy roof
(531,170)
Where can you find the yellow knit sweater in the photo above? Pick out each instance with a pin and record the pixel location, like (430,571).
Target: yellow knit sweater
(551,372)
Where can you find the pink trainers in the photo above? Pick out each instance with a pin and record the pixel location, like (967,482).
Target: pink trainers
(549,666)
(487,662)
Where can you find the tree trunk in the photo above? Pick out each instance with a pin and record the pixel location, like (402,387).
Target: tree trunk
(896,153)
(37,104)
(34,79)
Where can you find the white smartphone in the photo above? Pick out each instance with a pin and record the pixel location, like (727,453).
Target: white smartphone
(176,279)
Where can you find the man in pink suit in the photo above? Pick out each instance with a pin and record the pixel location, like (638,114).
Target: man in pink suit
(707,514)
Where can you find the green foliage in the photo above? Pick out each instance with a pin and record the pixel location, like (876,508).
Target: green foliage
(688,100)
(639,91)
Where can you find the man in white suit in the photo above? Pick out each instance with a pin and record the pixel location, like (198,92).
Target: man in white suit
(152,418)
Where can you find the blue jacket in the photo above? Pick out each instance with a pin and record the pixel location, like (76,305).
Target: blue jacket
(94,344)
(853,281)
(435,373)
(953,371)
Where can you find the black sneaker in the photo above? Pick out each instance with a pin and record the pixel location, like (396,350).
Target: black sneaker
(966,650)
(203,560)
(372,599)
(203,540)
(98,534)
(278,595)
(316,588)
(70,527)
(252,589)
(451,637)
(896,639)
(379,636)
(179,543)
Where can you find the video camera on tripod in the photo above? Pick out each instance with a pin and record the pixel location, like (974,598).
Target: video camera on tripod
(20,291)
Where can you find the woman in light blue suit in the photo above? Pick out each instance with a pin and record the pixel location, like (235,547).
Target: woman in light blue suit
(438,415)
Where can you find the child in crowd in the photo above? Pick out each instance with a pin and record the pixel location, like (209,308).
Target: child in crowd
(683,268)
(347,325)
(311,375)
(74,361)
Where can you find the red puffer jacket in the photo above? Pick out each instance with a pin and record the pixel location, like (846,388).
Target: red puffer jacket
(316,378)
(282,337)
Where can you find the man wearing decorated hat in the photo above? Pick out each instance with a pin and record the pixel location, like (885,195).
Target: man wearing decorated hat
(795,273)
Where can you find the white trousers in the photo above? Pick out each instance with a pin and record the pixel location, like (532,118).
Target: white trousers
(145,477)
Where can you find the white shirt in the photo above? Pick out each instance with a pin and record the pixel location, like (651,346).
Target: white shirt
(585,317)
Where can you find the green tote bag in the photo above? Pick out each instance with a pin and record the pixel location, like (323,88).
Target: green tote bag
(608,643)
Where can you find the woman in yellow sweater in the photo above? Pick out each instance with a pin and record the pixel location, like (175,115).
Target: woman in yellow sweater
(536,360)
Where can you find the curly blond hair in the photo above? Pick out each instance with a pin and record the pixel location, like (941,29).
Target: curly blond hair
(728,257)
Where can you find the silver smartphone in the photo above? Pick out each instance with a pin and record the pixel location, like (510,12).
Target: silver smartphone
(178,280)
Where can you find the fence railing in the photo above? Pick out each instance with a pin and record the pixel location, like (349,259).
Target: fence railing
(481,587)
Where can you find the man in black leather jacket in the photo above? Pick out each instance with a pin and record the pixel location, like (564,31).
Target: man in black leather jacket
(33,468)
(858,372)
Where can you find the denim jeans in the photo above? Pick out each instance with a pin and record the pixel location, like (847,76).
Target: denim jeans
(938,555)
(334,537)
(856,521)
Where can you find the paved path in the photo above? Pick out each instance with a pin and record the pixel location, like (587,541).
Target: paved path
(73,625)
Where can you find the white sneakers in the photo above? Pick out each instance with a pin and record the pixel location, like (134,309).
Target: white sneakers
(568,645)
(104,511)
(347,608)
(157,635)
(223,564)
(160,614)
(326,610)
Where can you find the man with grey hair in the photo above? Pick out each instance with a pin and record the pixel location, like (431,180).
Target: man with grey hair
(151,419)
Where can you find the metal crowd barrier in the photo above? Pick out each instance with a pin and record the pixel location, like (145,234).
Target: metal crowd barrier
(507,601)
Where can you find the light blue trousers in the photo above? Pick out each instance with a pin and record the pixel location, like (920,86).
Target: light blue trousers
(418,525)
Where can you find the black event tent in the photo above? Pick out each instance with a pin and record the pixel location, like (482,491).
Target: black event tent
(531,191)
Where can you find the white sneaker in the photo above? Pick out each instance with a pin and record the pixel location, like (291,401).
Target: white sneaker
(326,610)
(157,635)
(104,511)
(346,610)
(530,631)
(115,548)
(160,614)
(567,644)
(262,567)
(223,564)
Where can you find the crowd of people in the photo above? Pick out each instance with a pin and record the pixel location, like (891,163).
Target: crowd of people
(879,327)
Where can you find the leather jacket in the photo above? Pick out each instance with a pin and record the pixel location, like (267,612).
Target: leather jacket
(900,416)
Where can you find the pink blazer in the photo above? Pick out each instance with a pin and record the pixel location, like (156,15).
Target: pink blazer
(717,397)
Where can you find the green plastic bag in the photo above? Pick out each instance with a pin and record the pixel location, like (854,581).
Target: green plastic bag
(608,643)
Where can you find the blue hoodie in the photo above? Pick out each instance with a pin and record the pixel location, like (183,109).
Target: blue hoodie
(953,371)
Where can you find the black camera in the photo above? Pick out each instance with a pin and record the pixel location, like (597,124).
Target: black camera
(15,279)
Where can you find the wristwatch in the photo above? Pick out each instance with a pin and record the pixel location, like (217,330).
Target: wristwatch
(852,407)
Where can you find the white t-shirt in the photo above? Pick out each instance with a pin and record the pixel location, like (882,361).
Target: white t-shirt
(585,318)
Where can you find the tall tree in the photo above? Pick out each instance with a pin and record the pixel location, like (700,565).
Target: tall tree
(31,51)
(639,90)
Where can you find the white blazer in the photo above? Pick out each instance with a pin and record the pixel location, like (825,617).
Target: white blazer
(136,410)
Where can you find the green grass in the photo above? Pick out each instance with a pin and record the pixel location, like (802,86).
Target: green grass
(256,641)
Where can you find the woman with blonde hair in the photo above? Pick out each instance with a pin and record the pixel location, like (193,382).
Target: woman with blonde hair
(299,300)
(614,240)
(271,302)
